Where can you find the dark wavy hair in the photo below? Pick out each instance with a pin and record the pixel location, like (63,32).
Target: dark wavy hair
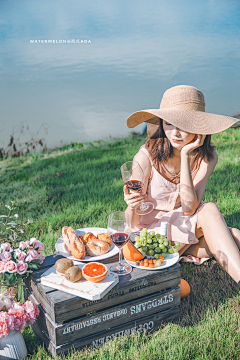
(160,148)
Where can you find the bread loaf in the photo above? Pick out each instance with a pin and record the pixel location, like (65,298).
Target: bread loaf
(73,242)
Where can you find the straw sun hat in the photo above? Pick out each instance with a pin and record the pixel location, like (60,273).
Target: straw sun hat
(184,107)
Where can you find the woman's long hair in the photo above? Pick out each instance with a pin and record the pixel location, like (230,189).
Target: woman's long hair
(160,148)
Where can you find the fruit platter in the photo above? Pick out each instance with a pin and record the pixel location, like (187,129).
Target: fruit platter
(150,251)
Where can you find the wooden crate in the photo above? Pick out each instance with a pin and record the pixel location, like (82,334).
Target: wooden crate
(141,301)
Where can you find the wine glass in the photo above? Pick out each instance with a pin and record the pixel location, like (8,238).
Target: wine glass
(119,230)
(133,177)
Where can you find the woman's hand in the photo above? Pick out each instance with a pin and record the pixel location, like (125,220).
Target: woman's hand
(133,199)
(197,141)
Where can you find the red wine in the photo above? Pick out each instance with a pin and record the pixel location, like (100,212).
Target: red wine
(119,239)
(135,185)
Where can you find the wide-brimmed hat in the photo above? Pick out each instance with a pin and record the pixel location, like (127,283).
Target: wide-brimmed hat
(184,107)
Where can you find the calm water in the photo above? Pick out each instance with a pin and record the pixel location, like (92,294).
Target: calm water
(135,50)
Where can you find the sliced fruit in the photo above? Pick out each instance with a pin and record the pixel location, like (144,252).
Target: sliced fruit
(130,252)
(94,271)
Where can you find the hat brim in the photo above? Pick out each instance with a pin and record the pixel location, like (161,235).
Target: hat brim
(192,121)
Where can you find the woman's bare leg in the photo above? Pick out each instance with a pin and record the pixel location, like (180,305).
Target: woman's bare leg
(196,250)
(236,235)
(200,250)
(221,242)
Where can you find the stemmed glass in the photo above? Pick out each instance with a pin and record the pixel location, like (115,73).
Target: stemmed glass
(119,230)
(133,177)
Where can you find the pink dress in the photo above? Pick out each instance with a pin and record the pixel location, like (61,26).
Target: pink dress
(165,195)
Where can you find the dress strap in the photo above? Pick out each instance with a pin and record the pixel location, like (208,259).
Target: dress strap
(147,153)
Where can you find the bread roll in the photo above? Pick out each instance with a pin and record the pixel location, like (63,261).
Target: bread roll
(87,237)
(73,242)
(105,237)
(97,247)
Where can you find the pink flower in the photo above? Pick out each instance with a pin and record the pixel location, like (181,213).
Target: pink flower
(5,246)
(6,323)
(20,317)
(32,241)
(41,257)
(4,296)
(19,323)
(22,245)
(6,256)
(11,267)
(10,322)
(32,311)
(38,246)
(1,304)
(20,255)
(28,245)
(32,255)
(2,267)
(21,267)
(5,303)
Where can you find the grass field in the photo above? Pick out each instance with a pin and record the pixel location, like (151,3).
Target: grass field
(80,185)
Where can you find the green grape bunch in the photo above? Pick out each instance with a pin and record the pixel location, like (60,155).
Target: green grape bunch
(154,245)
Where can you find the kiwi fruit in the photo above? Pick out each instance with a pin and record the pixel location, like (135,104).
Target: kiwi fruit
(73,274)
(62,265)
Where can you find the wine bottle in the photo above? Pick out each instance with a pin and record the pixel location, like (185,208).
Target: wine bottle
(164,229)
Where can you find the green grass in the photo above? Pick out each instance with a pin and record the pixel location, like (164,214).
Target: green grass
(89,189)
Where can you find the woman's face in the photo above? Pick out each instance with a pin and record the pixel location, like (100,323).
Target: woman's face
(178,138)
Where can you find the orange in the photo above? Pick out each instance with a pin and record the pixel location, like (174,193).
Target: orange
(94,271)
(130,252)
(184,288)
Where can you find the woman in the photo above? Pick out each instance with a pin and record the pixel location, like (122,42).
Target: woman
(177,160)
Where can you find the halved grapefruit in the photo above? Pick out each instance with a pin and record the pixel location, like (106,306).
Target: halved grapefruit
(94,271)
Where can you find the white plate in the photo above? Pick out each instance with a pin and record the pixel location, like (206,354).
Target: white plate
(62,249)
(169,260)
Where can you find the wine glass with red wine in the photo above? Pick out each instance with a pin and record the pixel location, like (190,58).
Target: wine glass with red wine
(119,230)
(133,177)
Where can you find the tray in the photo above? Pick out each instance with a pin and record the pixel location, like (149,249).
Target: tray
(82,288)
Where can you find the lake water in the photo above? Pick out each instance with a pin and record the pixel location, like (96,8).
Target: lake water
(121,57)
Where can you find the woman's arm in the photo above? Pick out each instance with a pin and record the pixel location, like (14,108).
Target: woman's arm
(134,199)
(191,192)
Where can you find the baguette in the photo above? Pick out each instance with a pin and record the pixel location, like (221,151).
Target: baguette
(73,242)
(65,236)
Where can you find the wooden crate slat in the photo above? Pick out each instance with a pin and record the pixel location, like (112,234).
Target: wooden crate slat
(149,324)
(122,292)
(62,306)
(112,317)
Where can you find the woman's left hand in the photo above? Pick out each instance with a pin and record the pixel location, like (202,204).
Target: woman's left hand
(197,141)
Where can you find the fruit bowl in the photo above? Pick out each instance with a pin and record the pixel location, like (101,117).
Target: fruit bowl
(94,271)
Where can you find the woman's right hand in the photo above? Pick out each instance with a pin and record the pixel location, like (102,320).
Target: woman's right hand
(133,199)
